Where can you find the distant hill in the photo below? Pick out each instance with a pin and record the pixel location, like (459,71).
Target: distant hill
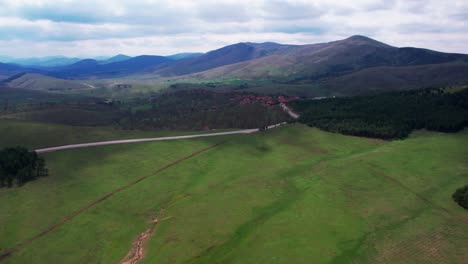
(116,58)
(34,81)
(90,68)
(7,70)
(42,62)
(186,55)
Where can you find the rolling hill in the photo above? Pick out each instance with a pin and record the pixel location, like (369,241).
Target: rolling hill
(8,70)
(35,81)
(93,69)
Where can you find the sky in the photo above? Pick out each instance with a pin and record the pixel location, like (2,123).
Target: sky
(84,28)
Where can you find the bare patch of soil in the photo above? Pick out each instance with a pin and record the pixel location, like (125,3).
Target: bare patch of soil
(138,250)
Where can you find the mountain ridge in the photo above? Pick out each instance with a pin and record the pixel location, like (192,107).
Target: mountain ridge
(321,64)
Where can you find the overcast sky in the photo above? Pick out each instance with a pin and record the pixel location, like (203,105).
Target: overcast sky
(84,28)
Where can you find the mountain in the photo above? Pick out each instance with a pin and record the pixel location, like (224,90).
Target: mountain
(186,55)
(90,68)
(227,55)
(42,62)
(355,65)
(35,81)
(313,62)
(116,58)
(345,67)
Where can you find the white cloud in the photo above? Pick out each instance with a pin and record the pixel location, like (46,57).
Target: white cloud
(88,28)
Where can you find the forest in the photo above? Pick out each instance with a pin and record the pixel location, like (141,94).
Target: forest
(202,110)
(390,115)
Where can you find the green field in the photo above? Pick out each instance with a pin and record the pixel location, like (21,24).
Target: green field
(289,195)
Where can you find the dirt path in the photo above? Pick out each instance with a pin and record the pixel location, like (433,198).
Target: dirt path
(9,252)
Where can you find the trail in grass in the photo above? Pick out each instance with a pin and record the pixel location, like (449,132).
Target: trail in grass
(9,252)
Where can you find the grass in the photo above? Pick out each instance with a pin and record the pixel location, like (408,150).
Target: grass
(290,195)
(68,116)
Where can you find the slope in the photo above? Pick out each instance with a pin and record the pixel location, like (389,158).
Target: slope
(388,78)
(35,81)
(291,195)
(8,70)
(224,56)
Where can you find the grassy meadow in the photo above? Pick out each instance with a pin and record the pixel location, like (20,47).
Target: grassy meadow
(289,195)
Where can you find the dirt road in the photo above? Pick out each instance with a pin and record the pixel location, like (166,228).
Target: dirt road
(289,111)
(125,141)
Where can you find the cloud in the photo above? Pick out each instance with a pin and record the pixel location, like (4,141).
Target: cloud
(72,27)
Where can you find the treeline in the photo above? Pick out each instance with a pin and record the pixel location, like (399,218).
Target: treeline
(388,116)
(18,165)
(202,110)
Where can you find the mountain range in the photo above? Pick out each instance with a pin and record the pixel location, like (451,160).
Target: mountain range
(357,64)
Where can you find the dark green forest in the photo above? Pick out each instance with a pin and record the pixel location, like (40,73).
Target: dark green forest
(18,165)
(388,116)
(201,110)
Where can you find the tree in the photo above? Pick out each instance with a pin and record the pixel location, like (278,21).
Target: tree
(21,165)
(461,196)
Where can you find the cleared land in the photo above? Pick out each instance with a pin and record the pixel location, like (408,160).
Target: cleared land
(290,195)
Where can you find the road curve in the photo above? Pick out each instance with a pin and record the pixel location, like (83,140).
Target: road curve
(125,141)
(289,111)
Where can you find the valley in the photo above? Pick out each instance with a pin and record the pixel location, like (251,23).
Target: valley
(346,151)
